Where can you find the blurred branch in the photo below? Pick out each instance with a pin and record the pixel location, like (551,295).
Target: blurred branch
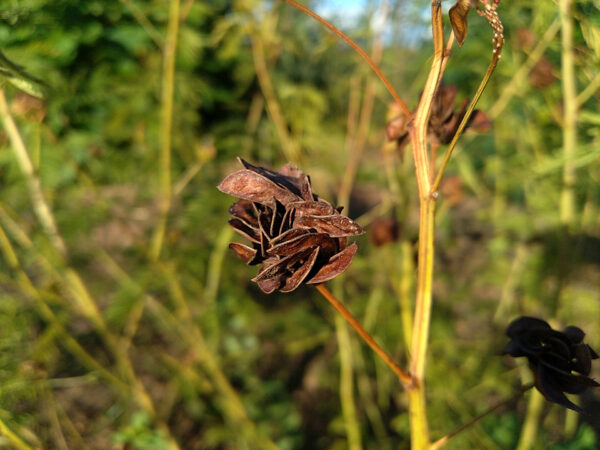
(360,139)
(40,207)
(531,423)
(186,328)
(358,50)
(168,82)
(141,18)
(444,440)
(288,146)
(347,384)
(590,90)
(76,289)
(569,123)
(514,84)
(13,438)
(498,43)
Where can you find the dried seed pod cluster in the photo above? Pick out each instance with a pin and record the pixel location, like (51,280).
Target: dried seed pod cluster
(296,236)
(560,361)
(443,121)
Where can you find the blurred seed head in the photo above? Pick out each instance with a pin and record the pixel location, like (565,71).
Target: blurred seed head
(384,230)
(560,361)
(542,75)
(29,107)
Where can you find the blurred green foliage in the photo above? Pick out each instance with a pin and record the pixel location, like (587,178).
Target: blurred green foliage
(200,338)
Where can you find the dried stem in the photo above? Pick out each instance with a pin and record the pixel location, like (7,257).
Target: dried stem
(444,440)
(405,378)
(168,84)
(358,50)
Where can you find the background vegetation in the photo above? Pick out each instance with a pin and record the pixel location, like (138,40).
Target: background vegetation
(134,337)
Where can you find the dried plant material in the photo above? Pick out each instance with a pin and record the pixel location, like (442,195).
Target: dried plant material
(295,236)
(560,361)
(542,75)
(525,39)
(384,230)
(451,189)
(458,19)
(444,119)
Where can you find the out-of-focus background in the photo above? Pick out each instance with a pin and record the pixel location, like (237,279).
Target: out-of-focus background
(125,321)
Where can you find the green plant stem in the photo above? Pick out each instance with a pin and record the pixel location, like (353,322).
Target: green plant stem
(405,292)
(347,384)
(590,90)
(288,146)
(532,419)
(569,87)
(420,332)
(12,437)
(213,278)
(405,378)
(514,85)
(167,88)
(40,206)
(77,290)
(444,440)
(467,116)
(185,328)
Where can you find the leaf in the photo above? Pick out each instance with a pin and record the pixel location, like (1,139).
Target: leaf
(18,77)
(458,19)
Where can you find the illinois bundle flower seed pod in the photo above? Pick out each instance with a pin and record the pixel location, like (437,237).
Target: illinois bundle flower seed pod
(560,361)
(295,236)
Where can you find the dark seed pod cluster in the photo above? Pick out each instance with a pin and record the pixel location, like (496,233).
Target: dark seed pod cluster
(296,237)
(443,121)
(560,361)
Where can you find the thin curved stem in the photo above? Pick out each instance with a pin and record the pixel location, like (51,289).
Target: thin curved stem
(404,377)
(442,441)
(498,42)
(358,50)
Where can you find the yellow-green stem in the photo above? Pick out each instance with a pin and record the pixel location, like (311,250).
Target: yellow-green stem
(15,440)
(347,384)
(569,87)
(168,84)
(418,135)
(40,206)
(532,419)
(418,413)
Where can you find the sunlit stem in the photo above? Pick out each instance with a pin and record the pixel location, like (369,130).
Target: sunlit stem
(405,378)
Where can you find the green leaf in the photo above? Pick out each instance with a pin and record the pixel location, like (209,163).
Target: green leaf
(18,77)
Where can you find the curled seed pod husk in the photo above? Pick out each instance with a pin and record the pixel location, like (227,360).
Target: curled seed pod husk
(560,361)
(295,236)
